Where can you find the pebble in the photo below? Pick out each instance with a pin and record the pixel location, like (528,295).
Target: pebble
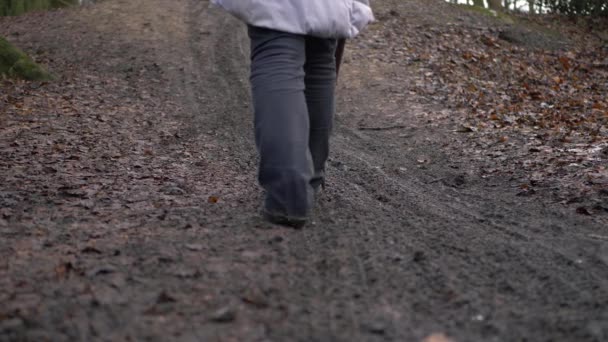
(225,314)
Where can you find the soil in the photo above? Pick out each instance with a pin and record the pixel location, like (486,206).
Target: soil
(129,208)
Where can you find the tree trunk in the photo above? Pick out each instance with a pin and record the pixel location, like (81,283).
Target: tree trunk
(495,5)
(531,6)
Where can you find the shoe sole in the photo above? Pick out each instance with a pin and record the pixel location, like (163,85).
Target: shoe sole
(283,220)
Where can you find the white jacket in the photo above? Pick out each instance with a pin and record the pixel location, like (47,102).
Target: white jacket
(320,18)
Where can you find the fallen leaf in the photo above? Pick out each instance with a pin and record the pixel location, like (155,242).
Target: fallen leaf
(565,61)
(63,270)
(438,337)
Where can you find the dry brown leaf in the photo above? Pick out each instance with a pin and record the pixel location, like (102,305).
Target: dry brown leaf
(558,80)
(565,62)
(437,337)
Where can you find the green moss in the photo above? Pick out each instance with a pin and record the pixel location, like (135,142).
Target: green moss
(9,55)
(27,69)
(18,7)
(15,63)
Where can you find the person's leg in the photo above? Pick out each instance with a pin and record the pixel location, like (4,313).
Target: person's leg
(320,83)
(281,121)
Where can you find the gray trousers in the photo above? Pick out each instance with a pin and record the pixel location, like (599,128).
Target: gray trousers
(293,81)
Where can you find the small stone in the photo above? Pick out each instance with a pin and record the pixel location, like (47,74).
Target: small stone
(194,246)
(256,298)
(478,318)
(377,327)
(225,314)
(186,272)
(418,256)
(173,191)
(165,297)
(101,270)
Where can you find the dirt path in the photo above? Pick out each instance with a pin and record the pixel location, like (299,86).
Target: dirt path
(129,209)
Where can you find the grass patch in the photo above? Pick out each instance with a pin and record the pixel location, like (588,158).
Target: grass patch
(16,64)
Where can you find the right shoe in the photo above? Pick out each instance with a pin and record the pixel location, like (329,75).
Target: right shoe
(284,220)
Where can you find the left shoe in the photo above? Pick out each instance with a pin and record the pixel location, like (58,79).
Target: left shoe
(284,220)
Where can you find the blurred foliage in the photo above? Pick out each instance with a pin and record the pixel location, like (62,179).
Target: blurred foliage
(17,7)
(578,7)
(569,7)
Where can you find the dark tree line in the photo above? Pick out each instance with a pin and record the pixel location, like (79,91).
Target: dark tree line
(569,7)
(578,7)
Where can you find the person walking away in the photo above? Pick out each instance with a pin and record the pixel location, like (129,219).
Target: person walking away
(293,77)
